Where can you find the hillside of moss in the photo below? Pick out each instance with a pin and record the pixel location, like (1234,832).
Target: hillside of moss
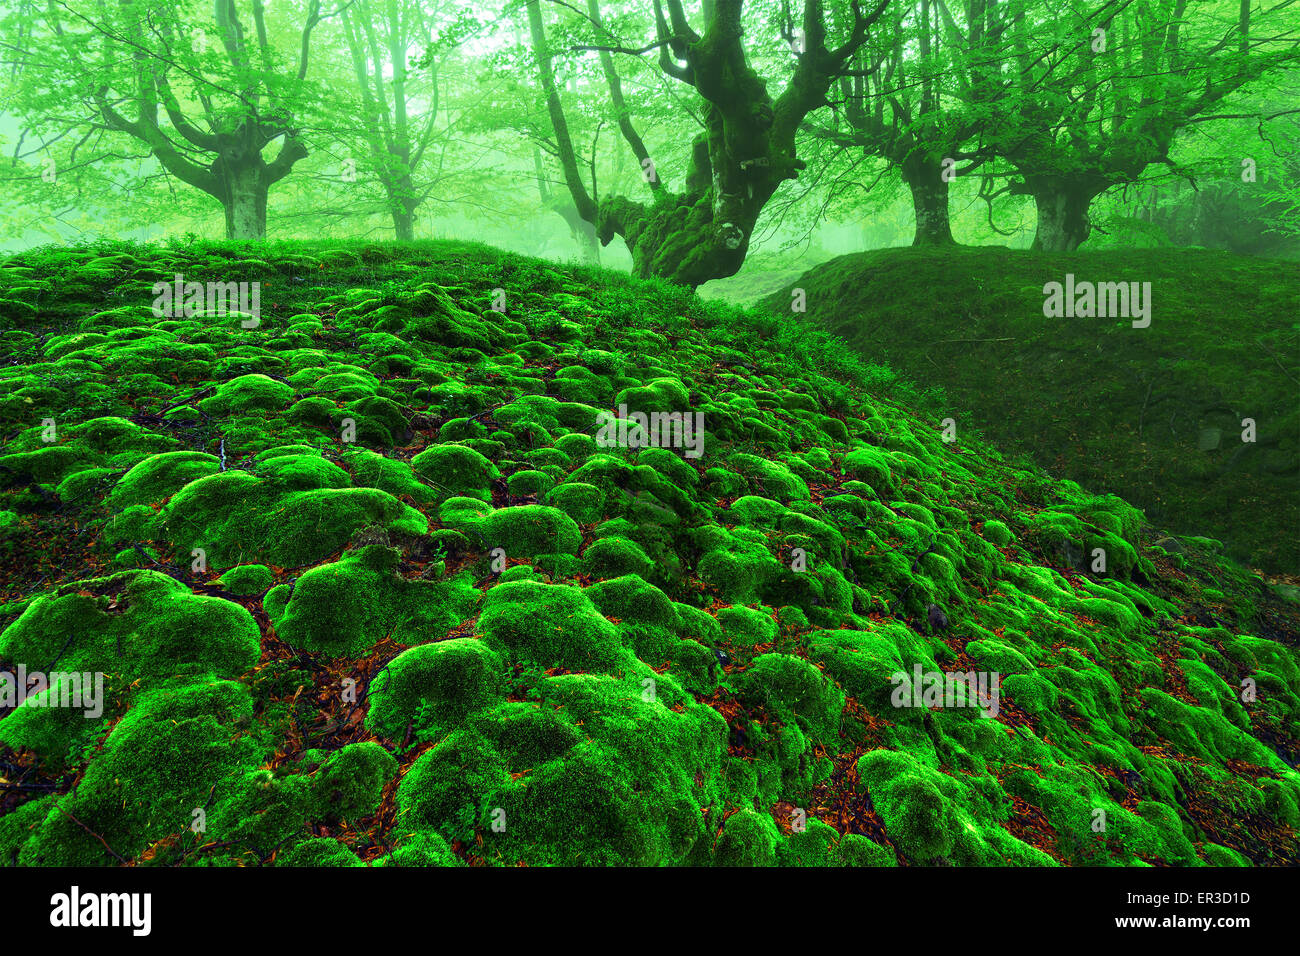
(1154,415)
(366,589)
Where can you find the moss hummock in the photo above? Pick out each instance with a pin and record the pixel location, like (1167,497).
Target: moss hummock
(365,589)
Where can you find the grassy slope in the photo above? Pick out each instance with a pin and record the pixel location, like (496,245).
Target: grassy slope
(1115,408)
(639,675)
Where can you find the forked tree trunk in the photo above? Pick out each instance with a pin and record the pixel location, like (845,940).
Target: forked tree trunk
(745,152)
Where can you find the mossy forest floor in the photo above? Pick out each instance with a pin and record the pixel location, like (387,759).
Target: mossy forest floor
(1151,414)
(365,589)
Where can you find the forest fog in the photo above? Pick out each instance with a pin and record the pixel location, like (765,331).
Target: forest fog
(681,140)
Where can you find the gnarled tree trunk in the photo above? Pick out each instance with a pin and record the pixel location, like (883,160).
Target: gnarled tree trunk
(747,149)
(1063,223)
(242,192)
(237,176)
(924,177)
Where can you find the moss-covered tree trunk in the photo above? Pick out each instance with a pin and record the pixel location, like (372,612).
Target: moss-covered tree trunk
(704,232)
(403,225)
(745,153)
(1062,205)
(924,177)
(242,192)
(1063,222)
(403,203)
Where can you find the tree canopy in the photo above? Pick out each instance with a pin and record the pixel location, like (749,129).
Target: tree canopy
(681,136)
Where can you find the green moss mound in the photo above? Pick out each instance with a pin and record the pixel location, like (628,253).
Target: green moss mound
(344,607)
(1154,414)
(142,625)
(369,585)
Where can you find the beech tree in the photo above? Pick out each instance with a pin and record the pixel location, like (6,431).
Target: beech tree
(906,104)
(399,113)
(206,98)
(693,132)
(746,150)
(1094,95)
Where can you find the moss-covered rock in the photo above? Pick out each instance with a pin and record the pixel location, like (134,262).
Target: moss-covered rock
(528,530)
(344,607)
(455,470)
(247,579)
(434,687)
(142,625)
(350,783)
